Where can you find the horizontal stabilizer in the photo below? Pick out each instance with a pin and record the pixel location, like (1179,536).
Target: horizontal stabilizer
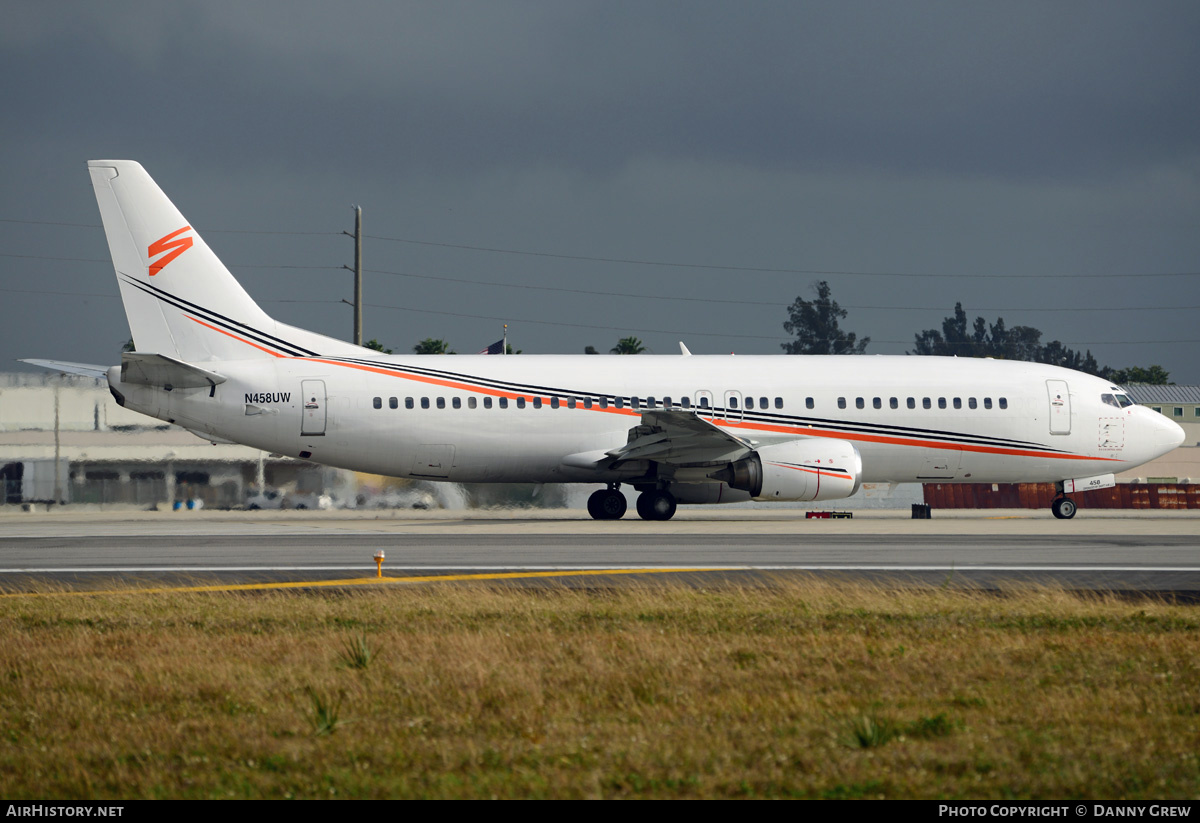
(165,372)
(85,369)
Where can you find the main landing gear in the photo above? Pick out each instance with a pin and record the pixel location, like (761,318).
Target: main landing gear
(656,504)
(1063,508)
(609,504)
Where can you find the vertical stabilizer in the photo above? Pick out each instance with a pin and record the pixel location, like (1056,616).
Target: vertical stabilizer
(180,299)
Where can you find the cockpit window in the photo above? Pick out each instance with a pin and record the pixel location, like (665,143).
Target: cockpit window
(1119,400)
(1124,400)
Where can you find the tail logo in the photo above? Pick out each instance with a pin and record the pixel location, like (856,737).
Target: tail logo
(169,244)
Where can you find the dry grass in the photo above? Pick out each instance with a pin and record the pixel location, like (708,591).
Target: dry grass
(797,689)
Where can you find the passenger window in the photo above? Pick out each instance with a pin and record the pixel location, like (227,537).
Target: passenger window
(377,402)
(393,402)
(487,402)
(471,402)
(520,402)
(704,403)
(537,402)
(635,402)
(808,402)
(408,403)
(733,404)
(841,402)
(503,402)
(912,402)
(779,402)
(604,402)
(972,404)
(650,402)
(685,402)
(958,402)
(749,402)
(570,402)
(987,402)
(1004,402)
(456,402)
(666,402)
(894,403)
(941,402)
(762,402)
(424,402)
(877,402)
(925,403)
(859,403)
(554,404)
(619,402)
(441,402)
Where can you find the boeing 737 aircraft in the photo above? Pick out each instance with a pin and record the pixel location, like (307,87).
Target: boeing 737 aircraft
(678,429)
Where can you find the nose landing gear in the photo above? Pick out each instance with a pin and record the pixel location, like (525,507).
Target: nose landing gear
(1063,508)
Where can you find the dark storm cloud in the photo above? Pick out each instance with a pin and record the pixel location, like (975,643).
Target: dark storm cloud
(1007,90)
(971,139)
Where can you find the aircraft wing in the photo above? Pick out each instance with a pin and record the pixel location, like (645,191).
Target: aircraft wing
(679,437)
(85,369)
(165,372)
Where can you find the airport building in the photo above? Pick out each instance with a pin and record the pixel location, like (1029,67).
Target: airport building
(63,438)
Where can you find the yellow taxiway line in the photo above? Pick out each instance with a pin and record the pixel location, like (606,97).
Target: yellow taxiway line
(368,581)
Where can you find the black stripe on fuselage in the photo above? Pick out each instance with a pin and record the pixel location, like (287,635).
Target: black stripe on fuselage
(725,414)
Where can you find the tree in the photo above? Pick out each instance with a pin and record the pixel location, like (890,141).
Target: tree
(590,350)
(815,325)
(996,340)
(431,346)
(1155,375)
(628,345)
(376,346)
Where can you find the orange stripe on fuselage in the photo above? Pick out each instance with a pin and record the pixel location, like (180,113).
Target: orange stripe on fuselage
(806,431)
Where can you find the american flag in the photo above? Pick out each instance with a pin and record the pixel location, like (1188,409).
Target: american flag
(495,348)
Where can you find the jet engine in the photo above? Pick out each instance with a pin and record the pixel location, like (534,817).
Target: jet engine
(812,469)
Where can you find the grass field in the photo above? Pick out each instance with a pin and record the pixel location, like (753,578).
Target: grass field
(794,689)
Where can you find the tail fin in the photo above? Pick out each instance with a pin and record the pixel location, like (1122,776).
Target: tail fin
(180,300)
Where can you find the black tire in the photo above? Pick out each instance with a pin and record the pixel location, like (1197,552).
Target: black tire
(656,505)
(613,505)
(1063,508)
(607,504)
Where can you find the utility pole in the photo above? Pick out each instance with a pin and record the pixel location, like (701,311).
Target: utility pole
(357,304)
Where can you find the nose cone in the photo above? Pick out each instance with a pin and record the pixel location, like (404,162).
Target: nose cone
(1167,434)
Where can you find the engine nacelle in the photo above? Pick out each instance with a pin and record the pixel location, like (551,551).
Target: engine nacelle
(813,469)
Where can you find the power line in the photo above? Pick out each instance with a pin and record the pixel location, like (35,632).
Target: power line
(764,269)
(661,263)
(205,231)
(725,302)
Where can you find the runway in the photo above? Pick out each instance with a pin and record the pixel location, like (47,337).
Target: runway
(1127,551)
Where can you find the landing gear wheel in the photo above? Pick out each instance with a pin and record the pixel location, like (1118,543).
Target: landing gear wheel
(1063,508)
(606,504)
(656,505)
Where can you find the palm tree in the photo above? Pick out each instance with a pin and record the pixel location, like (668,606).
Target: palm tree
(628,345)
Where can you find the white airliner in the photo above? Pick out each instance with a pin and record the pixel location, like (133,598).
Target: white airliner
(678,429)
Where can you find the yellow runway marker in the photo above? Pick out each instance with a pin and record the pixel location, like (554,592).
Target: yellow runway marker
(370,581)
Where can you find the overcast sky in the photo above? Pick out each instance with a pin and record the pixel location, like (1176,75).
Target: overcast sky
(1037,161)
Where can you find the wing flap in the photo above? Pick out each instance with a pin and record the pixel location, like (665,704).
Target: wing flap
(679,437)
